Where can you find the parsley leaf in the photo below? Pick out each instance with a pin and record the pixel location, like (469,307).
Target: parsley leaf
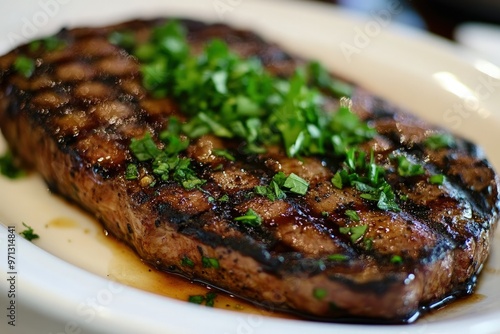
(319,293)
(50,43)
(9,168)
(210,262)
(196,299)
(355,232)
(337,179)
(396,259)
(281,183)
(208,299)
(439,141)
(224,198)
(187,262)
(320,77)
(353,215)
(24,65)
(338,257)
(368,243)
(348,130)
(250,218)
(406,168)
(437,179)
(166,163)
(296,184)
(29,234)
(366,177)
(131,173)
(224,154)
(145,149)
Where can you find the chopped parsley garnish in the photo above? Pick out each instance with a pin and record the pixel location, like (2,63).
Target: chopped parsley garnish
(24,65)
(355,232)
(9,168)
(338,257)
(274,190)
(50,43)
(196,299)
(131,173)
(353,215)
(281,184)
(348,130)
(187,262)
(296,184)
(236,98)
(224,198)
(337,179)
(184,174)
(396,259)
(250,218)
(439,141)
(366,177)
(437,179)
(321,78)
(224,154)
(166,162)
(145,149)
(368,243)
(233,97)
(208,299)
(29,234)
(385,198)
(319,293)
(210,262)
(406,168)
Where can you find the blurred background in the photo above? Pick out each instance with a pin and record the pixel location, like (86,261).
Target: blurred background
(473,23)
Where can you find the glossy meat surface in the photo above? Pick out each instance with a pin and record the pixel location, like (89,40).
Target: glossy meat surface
(73,121)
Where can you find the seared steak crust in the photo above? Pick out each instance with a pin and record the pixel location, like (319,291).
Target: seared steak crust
(73,121)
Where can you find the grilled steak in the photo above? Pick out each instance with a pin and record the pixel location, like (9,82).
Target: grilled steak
(73,118)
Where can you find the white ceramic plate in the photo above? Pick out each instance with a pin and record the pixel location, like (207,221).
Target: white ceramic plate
(62,283)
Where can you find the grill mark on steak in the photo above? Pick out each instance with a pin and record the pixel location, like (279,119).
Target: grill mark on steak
(85,102)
